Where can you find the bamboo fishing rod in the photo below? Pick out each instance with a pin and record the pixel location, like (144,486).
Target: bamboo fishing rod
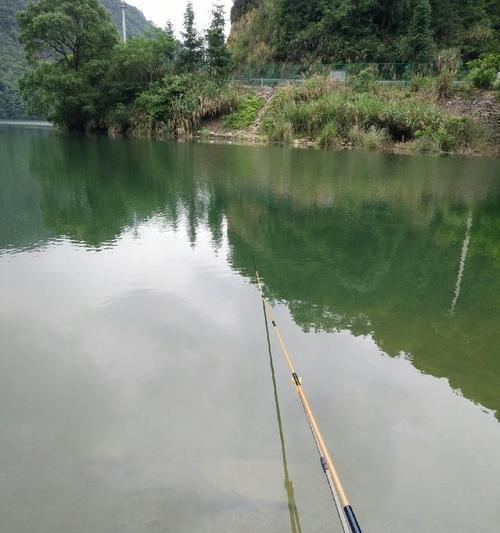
(292,506)
(346,514)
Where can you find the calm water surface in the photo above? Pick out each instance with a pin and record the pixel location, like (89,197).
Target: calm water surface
(135,386)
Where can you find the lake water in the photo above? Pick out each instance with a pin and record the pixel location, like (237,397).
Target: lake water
(136,394)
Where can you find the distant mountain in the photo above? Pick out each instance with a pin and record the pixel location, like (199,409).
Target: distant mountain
(13,64)
(136,21)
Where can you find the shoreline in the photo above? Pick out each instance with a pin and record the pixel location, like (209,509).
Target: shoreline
(26,122)
(240,138)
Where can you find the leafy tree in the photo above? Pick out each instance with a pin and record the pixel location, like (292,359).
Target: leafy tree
(421,45)
(137,65)
(69,43)
(483,71)
(68,32)
(218,57)
(192,53)
(12,58)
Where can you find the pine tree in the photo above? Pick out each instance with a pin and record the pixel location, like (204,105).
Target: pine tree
(218,57)
(192,53)
(169,29)
(421,45)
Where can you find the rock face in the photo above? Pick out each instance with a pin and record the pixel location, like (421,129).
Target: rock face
(251,31)
(240,7)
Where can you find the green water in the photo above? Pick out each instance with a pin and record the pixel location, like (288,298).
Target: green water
(135,385)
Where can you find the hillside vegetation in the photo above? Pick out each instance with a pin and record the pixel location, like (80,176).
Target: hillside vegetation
(13,63)
(326,31)
(163,87)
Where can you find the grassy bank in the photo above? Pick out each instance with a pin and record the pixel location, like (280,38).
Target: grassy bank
(318,112)
(412,119)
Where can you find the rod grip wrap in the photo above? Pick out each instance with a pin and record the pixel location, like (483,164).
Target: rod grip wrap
(351,519)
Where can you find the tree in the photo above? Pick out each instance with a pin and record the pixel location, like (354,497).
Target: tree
(137,65)
(169,29)
(420,45)
(192,53)
(65,31)
(69,44)
(218,57)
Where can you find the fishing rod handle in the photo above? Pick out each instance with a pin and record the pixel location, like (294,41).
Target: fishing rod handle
(351,518)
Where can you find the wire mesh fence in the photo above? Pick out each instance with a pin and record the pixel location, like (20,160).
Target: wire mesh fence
(273,74)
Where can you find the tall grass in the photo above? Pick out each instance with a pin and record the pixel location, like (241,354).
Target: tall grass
(176,107)
(321,111)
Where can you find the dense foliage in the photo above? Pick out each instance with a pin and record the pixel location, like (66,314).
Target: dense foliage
(484,71)
(12,60)
(218,57)
(192,42)
(362,30)
(70,44)
(84,77)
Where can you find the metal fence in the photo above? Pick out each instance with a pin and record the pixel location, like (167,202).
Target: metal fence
(388,73)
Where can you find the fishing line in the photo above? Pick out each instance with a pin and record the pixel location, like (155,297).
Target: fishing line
(292,506)
(344,509)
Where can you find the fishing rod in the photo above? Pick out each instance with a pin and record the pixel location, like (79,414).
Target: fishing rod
(346,514)
(292,506)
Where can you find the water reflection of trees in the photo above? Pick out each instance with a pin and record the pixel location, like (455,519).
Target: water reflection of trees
(365,242)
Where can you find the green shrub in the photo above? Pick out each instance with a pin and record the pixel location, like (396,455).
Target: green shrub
(458,134)
(370,139)
(483,71)
(463,133)
(311,89)
(328,136)
(177,106)
(440,86)
(444,83)
(118,119)
(426,144)
(423,85)
(245,113)
(363,81)
(282,132)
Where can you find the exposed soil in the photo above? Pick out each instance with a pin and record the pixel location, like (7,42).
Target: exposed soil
(483,107)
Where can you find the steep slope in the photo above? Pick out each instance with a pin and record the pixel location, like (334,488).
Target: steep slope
(351,31)
(13,64)
(251,36)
